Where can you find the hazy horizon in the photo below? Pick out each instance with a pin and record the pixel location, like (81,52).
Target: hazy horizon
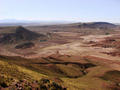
(63,10)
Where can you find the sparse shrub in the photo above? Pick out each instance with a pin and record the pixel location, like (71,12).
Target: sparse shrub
(44,81)
(3,84)
(55,86)
(43,40)
(27,87)
(5,81)
(43,87)
(107,33)
(46,84)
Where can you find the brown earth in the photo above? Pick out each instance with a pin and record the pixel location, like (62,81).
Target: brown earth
(73,53)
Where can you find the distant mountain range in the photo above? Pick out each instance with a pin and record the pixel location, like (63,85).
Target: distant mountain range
(14,22)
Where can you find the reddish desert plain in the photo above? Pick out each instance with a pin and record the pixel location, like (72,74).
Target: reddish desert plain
(77,56)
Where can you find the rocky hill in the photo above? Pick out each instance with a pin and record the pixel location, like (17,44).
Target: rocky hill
(25,45)
(101,25)
(20,34)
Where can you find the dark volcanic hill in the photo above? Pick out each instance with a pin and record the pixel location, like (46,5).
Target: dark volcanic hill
(101,25)
(20,34)
(25,45)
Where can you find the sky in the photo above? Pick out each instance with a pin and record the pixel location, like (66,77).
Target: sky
(61,10)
